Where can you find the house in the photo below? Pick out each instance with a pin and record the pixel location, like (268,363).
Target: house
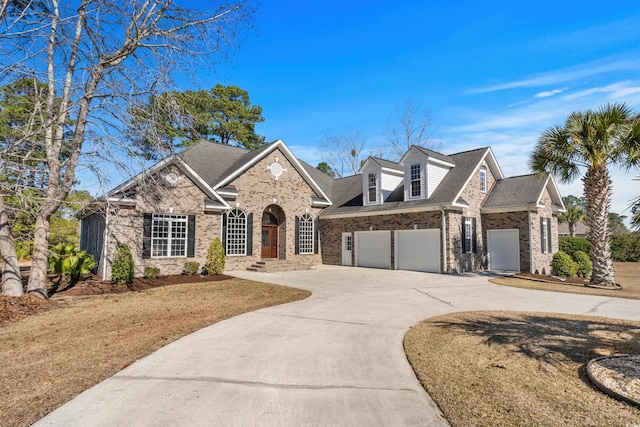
(428,212)
(582,230)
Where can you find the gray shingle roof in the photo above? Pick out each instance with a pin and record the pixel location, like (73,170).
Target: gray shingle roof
(347,192)
(388,164)
(515,191)
(212,161)
(436,155)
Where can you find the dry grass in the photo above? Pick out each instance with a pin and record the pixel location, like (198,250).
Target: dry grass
(520,369)
(51,357)
(627,275)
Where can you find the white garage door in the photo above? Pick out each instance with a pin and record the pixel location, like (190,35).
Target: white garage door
(418,250)
(504,249)
(373,249)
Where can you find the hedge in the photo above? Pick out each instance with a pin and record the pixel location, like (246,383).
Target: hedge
(624,247)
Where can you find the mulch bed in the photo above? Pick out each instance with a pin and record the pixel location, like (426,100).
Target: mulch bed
(13,309)
(542,278)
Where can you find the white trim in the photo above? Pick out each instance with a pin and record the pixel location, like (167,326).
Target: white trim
(511,208)
(392,171)
(531,270)
(440,162)
(319,203)
(554,193)
(121,201)
(292,159)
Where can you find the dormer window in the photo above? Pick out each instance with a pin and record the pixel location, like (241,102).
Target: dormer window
(416,182)
(483,179)
(373,190)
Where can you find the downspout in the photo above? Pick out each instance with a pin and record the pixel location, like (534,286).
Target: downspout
(444,240)
(530,244)
(105,245)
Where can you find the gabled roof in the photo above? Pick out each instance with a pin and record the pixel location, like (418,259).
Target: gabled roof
(524,191)
(254,156)
(383,163)
(429,153)
(446,194)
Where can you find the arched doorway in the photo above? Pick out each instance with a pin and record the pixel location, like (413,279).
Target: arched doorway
(269,235)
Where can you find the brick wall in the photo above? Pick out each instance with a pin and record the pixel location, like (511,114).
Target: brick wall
(288,197)
(155,195)
(331,230)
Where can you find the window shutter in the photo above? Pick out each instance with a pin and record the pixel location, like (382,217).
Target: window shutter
(250,234)
(191,236)
(549,236)
(474,243)
(543,242)
(224,232)
(297,242)
(316,235)
(465,249)
(146,235)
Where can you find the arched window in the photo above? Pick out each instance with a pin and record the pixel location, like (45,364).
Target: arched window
(236,235)
(305,233)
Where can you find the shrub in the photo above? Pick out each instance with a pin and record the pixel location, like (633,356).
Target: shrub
(215,258)
(584,263)
(625,247)
(563,265)
(122,269)
(151,273)
(570,245)
(190,268)
(66,260)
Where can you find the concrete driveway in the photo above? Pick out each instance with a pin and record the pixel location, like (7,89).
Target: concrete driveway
(334,359)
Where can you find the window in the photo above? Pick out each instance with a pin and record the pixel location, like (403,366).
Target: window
(305,234)
(483,179)
(168,235)
(236,237)
(416,183)
(545,234)
(372,188)
(468,234)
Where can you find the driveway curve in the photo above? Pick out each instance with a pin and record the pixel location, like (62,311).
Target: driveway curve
(335,358)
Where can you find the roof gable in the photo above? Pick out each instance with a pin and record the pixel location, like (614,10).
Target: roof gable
(523,191)
(252,157)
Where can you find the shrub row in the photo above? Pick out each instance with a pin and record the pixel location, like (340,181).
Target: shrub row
(624,247)
(122,270)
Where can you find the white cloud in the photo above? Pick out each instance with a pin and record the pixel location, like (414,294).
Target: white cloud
(566,74)
(548,93)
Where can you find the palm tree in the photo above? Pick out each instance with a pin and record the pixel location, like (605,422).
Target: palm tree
(592,140)
(574,213)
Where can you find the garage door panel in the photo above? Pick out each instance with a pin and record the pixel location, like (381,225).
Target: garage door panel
(373,249)
(418,250)
(504,249)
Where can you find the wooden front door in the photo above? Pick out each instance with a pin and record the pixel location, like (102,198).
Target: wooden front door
(269,241)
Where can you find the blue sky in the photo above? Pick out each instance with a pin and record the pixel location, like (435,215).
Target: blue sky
(490,73)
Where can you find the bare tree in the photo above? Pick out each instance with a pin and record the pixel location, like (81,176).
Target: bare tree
(410,126)
(345,152)
(96,60)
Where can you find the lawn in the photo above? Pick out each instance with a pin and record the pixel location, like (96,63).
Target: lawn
(627,275)
(50,357)
(512,368)
(517,369)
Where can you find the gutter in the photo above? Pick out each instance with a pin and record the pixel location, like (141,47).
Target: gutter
(530,244)
(444,240)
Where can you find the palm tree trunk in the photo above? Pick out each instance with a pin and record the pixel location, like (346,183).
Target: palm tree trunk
(597,190)
(572,229)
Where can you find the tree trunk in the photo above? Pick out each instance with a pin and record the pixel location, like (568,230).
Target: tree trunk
(597,189)
(11,279)
(572,229)
(38,275)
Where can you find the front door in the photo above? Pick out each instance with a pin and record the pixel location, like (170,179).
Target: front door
(269,241)
(269,236)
